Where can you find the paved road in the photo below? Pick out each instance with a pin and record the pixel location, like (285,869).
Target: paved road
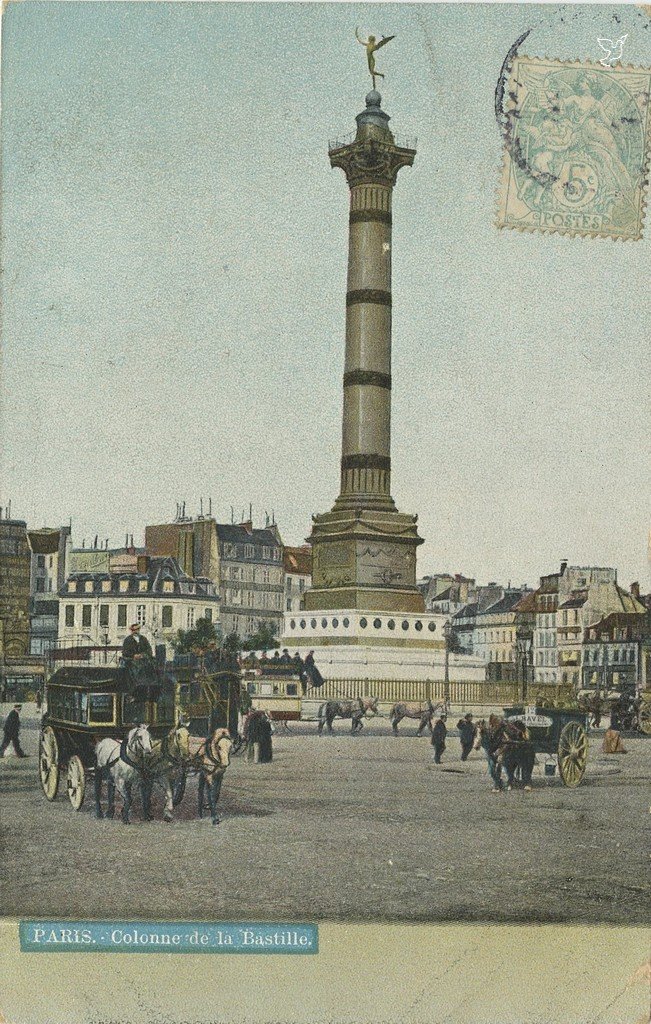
(344,827)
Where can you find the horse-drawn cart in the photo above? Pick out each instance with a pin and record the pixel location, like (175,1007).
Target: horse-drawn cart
(85,703)
(559,732)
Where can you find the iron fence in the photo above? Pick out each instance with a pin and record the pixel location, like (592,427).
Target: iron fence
(390,691)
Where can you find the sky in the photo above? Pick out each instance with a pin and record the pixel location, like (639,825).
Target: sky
(175,247)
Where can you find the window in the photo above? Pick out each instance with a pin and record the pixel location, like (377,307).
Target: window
(124,586)
(289,604)
(101,707)
(301,586)
(51,561)
(86,614)
(72,586)
(88,586)
(103,615)
(70,615)
(140,614)
(167,616)
(122,616)
(266,553)
(106,586)
(40,561)
(190,618)
(142,585)
(249,551)
(207,614)
(40,585)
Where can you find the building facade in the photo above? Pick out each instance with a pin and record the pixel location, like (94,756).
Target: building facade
(50,553)
(567,603)
(297,565)
(97,608)
(445,594)
(504,636)
(15,560)
(617,653)
(245,563)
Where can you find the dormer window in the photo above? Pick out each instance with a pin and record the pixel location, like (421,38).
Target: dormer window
(106,586)
(168,586)
(88,586)
(142,585)
(72,587)
(124,586)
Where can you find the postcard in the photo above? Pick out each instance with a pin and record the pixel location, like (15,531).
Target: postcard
(325,595)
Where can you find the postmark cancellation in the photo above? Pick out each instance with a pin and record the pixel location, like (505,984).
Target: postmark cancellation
(577,138)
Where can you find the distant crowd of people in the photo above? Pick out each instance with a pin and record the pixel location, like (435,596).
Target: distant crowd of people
(304,668)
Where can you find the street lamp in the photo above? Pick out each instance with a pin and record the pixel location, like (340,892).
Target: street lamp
(523,645)
(447,633)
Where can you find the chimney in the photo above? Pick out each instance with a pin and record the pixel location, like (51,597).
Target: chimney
(563,566)
(635,590)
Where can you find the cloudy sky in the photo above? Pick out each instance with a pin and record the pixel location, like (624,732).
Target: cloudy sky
(174,249)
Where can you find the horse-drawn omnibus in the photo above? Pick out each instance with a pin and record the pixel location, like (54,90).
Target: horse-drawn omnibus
(274,686)
(208,690)
(88,696)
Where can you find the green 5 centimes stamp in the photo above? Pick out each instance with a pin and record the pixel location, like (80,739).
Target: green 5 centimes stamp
(577,139)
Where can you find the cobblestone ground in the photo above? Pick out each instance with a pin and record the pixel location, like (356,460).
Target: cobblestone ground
(343,827)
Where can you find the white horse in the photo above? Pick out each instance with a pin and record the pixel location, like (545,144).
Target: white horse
(422,711)
(122,764)
(356,709)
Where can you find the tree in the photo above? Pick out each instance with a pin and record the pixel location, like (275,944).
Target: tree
(264,639)
(196,640)
(232,642)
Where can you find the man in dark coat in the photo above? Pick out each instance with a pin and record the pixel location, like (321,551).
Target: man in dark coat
(12,732)
(286,657)
(136,646)
(439,732)
(467,732)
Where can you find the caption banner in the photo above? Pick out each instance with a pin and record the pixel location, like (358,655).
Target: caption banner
(166,937)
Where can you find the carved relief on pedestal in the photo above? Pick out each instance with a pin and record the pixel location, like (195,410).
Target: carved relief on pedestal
(333,564)
(384,564)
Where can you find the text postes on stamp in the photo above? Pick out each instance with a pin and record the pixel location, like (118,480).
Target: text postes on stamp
(577,139)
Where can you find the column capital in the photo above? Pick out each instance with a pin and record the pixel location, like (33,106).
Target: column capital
(371,161)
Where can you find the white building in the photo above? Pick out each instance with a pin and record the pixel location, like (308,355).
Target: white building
(97,608)
(567,603)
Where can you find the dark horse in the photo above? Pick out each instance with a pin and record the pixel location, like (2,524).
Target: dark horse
(507,745)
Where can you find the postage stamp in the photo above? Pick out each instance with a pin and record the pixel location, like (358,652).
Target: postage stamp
(577,138)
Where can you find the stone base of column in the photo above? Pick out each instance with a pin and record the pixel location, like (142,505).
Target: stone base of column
(366,559)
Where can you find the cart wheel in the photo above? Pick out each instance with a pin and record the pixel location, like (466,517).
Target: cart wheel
(178,787)
(76,782)
(572,754)
(645,717)
(48,762)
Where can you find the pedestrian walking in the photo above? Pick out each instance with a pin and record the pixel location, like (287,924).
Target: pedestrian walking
(467,732)
(11,732)
(439,732)
(38,698)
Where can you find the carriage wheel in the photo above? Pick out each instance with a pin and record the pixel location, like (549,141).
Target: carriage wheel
(572,754)
(645,717)
(48,762)
(178,787)
(76,782)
